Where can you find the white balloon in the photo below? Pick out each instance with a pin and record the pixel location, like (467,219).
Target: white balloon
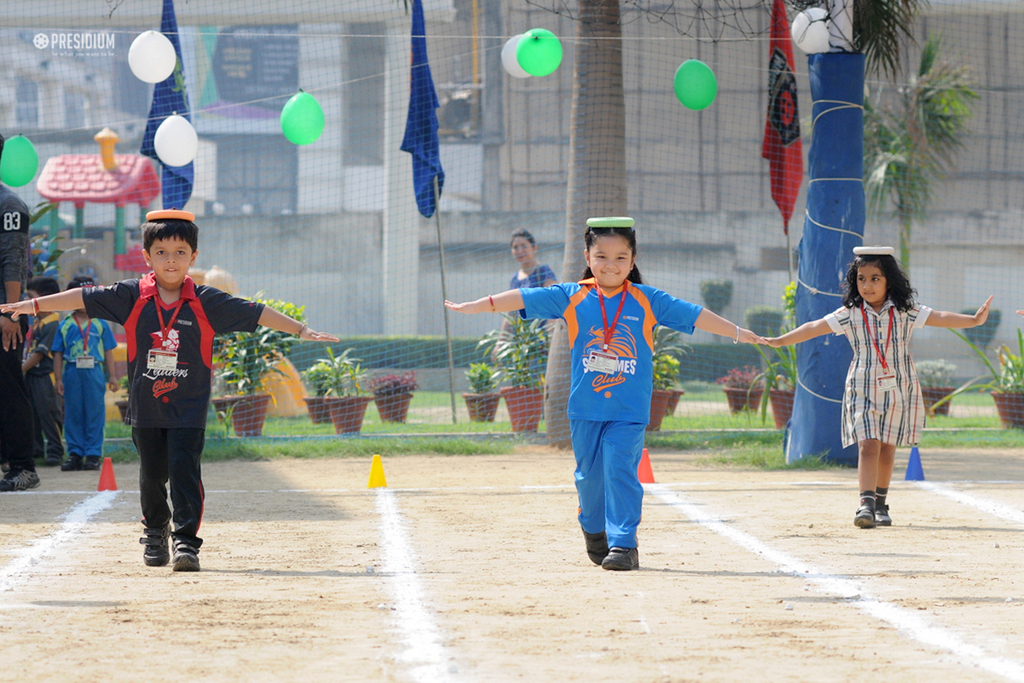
(176,141)
(151,57)
(810,31)
(508,58)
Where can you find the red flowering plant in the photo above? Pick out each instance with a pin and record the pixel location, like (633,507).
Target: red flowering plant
(392,385)
(741,378)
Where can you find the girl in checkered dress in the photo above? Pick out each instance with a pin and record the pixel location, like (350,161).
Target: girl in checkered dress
(882,405)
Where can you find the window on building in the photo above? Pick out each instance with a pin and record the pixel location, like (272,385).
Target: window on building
(364,95)
(256,174)
(27,107)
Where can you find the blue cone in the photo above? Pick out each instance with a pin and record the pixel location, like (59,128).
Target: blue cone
(914,469)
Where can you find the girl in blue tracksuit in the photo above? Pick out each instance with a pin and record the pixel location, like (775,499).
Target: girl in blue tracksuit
(80,348)
(610,315)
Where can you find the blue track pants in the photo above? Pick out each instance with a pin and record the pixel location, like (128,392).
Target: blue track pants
(85,413)
(610,494)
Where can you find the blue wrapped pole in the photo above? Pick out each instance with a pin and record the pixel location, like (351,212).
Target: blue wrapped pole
(833,226)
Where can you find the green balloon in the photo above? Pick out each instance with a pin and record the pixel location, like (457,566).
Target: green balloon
(19,162)
(302,119)
(695,84)
(539,52)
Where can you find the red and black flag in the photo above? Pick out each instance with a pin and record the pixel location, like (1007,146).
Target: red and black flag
(782,146)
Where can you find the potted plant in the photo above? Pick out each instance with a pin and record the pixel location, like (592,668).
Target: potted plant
(779,378)
(520,349)
(716,294)
(325,377)
(344,397)
(1007,383)
(936,379)
(243,358)
(666,369)
(392,394)
(743,388)
(482,400)
(122,405)
(668,344)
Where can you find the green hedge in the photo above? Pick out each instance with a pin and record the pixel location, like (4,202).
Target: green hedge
(705,362)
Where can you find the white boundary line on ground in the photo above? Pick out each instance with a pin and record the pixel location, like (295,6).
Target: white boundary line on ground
(424,651)
(74,521)
(907,622)
(1004,512)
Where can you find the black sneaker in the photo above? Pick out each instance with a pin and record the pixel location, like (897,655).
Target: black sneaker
(186,558)
(622,559)
(73,464)
(5,467)
(156,553)
(865,517)
(52,460)
(882,517)
(92,462)
(19,480)
(597,546)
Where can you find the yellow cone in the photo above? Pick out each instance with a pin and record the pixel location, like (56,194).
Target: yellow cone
(377,479)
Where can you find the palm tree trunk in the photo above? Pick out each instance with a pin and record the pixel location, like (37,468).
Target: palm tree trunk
(597,172)
(905,223)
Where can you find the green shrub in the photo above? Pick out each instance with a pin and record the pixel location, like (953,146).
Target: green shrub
(982,335)
(765,320)
(716,294)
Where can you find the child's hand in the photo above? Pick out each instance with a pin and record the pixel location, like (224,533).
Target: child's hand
(748,337)
(59,387)
(773,342)
(461,308)
(982,315)
(112,386)
(17,309)
(309,334)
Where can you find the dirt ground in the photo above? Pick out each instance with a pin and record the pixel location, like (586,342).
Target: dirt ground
(746,576)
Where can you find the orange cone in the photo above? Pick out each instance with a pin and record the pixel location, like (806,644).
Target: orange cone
(644,472)
(107,480)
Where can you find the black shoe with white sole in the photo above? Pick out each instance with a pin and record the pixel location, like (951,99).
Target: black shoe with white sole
(186,558)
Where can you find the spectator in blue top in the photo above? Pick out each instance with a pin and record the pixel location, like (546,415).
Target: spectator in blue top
(530,273)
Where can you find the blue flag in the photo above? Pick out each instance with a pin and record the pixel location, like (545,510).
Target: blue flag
(421,127)
(169,96)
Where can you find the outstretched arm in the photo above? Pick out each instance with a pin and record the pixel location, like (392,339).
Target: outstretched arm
(279,321)
(716,324)
(959,320)
(809,330)
(65,301)
(506,302)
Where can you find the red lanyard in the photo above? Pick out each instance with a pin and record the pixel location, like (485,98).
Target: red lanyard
(165,329)
(888,337)
(85,334)
(609,331)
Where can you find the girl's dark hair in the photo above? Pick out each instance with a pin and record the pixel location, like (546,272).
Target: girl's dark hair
(187,231)
(525,234)
(628,234)
(896,281)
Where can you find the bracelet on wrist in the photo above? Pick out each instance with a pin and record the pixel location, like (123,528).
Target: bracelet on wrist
(736,340)
(35,307)
(491,299)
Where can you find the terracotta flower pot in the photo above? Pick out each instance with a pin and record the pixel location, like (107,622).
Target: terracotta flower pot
(249,414)
(932,395)
(482,407)
(782,405)
(1010,408)
(659,408)
(122,407)
(347,412)
(319,412)
(741,399)
(525,407)
(393,407)
(673,401)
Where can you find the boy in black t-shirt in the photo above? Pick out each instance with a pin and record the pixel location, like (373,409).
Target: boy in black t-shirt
(169,323)
(38,366)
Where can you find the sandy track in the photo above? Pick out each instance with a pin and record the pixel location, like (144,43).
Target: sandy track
(285,593)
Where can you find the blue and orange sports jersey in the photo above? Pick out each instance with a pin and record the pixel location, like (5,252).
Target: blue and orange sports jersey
(625,395)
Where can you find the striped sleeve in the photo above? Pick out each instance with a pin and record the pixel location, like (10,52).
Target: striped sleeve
(919,316)
(837,319)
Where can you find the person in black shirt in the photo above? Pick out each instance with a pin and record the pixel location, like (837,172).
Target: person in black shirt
(15,260)
(169,324)
(38,365)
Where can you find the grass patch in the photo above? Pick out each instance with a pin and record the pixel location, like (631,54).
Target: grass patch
(753,450)
(220,449)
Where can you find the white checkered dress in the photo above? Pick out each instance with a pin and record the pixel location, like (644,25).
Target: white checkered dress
(892,417)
